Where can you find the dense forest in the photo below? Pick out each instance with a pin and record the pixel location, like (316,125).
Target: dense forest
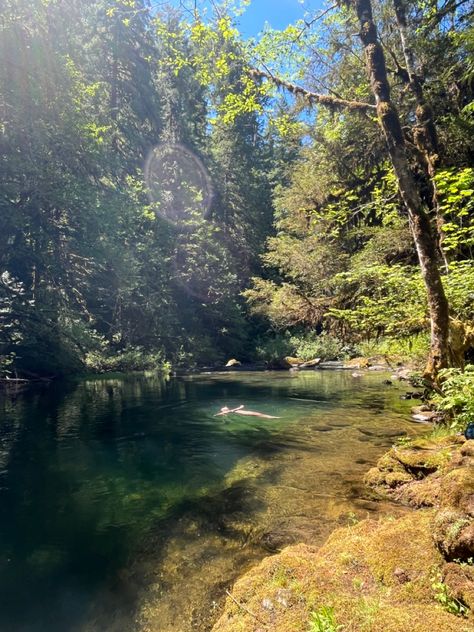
(175,193)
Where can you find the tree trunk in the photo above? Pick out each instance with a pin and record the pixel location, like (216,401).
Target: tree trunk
(425,134)
(420,225)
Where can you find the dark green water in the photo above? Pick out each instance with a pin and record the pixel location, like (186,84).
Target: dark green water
(126,505)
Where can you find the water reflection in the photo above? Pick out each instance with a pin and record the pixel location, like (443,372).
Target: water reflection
(116,493)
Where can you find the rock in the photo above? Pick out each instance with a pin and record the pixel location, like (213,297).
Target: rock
(468,448)
(412,395)
(387,382)
(357,363)
(233,362)
(457,489)
(283,597)
(453,533)
(356,374)
(460,579)
(310,363)
(379,360)
(333,364)
(293,362)
(425,416)
(416,410)
(395,479)
(401,575)
(378,367)
(403,375)
(393,559)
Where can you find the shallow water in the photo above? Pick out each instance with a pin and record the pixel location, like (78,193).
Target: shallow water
(126,505)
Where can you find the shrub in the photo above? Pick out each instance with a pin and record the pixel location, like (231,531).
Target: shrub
(457,396)
(274,348)
(129,359)
(322,346)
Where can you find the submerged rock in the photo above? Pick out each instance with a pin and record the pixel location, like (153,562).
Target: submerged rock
(383,576)
(333,364)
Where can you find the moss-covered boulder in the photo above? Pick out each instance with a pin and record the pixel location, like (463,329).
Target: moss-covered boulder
(374,576)
(413,473)
(411,574)
(453,532)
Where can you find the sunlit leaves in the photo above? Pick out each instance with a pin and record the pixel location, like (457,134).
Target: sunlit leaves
(456,191)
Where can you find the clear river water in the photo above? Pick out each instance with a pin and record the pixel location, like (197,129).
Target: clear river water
(127,506)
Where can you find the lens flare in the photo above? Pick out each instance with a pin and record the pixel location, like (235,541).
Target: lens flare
(179,187)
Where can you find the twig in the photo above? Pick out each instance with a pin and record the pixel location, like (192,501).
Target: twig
(309,24)
(246,609)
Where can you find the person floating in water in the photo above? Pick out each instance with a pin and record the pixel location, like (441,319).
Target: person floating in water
(240,411)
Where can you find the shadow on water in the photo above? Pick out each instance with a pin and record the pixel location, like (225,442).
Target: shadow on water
(117,492)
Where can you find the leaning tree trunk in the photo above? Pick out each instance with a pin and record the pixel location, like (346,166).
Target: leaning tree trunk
(420,225)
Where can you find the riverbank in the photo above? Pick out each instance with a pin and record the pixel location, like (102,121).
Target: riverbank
(412,574)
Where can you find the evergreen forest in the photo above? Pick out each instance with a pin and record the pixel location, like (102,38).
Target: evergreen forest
(174,194)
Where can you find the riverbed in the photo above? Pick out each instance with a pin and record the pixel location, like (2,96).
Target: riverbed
(126,505)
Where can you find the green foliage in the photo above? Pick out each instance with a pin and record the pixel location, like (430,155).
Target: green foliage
(456,190)
(306,230)
(443,597)
(129,359)
(412,348)
(459,284)
(274,348)
(324,346)
(324,620)
(385,300)
(88,265)
(457,396)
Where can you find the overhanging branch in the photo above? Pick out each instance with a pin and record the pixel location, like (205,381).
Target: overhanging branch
(333,103)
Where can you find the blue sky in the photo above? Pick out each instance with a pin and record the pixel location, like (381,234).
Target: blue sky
(277,13)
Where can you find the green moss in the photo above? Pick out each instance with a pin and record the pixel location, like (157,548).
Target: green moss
(394,562)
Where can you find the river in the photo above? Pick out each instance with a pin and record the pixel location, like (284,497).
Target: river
(127,506)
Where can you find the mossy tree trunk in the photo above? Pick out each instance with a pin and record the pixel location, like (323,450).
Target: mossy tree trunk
(424,239)
(425,133)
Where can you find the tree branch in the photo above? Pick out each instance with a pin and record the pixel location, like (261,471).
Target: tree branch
(330,102)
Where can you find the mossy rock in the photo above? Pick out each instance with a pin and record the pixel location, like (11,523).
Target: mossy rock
(376,576)
(292,362)
(420,493)
(423,458)
(457,489)
(453,533)
(460,579)
(467,450)
(389,463)
(395,479)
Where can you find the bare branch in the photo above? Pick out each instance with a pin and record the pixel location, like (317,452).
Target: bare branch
(309,24)
(449,7)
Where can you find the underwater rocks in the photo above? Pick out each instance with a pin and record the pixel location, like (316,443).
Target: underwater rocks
(411,574)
